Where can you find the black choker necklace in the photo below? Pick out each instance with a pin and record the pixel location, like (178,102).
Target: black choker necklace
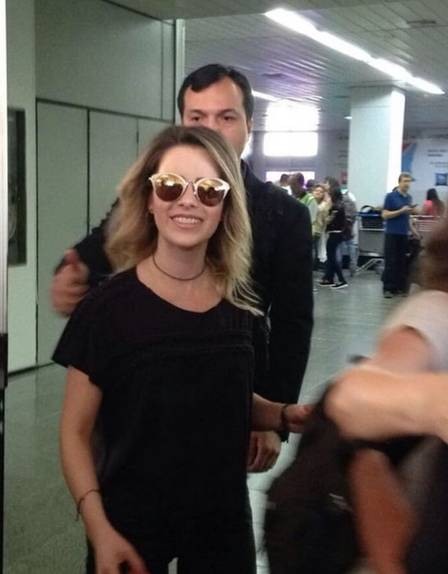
(173,276)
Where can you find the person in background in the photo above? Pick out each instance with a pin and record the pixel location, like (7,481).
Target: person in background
(396,212)
(433,205)
(335,229)
(348,246)
(320,223)
(220,97)
(310,185)
(330,183)
(284,182)
(303,195)
(297,184)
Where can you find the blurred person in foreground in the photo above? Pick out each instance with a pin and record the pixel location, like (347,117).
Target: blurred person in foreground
(402,390)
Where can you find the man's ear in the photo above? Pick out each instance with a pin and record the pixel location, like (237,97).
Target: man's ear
(250,125)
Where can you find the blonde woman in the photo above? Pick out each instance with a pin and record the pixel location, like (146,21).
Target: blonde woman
(160,362)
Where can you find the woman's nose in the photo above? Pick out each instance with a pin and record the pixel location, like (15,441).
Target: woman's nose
(188,197)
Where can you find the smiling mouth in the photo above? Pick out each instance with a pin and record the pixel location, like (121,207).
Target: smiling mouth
(186,220)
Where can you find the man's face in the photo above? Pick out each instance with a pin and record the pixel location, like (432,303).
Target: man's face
(220,108)
(404,184)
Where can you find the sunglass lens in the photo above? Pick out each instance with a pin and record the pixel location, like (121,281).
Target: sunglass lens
(211,192)
(168,188)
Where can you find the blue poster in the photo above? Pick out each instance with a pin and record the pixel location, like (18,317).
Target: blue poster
(441,179)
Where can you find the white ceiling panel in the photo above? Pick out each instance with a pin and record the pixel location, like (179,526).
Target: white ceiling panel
(413,33)
(277,61)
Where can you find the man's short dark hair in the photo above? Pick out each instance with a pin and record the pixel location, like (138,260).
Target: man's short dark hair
(310,184)
(405,174)
(299,178)
(204,77)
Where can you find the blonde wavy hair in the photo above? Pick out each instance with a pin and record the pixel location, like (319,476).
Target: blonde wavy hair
(131,235)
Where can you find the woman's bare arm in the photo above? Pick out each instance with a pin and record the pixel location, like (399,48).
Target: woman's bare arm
(81,403)
(80,409)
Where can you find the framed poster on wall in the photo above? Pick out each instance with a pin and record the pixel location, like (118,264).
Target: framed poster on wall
(16,188)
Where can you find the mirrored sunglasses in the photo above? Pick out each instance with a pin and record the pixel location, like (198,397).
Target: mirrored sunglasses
(210,191)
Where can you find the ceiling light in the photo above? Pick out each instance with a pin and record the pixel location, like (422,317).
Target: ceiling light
(347,117)
(425,86)
(393,70)
(342,46)
(264,96)
(288,116)
(292,21)
(303,26)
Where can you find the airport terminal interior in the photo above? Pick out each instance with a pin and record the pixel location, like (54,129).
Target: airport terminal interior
(351,89)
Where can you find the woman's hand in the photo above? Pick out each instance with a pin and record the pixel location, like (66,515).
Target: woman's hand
(112,551)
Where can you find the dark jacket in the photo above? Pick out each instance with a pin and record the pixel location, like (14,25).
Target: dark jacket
(337,220)
(282,271)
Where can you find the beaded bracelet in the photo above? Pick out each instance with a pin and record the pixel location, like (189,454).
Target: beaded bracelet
(81,500)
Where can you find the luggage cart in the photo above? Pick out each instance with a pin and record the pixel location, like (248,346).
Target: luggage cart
(371,241)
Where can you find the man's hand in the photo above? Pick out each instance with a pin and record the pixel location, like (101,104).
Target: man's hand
(264,448)
(69,285)
(296,416)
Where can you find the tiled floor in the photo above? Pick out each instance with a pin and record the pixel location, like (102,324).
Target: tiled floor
(41,535)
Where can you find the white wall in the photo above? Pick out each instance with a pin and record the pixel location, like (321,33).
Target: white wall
(118,68)
(96,54)
(93,55)
(425,155)
(330,160)
(21,94)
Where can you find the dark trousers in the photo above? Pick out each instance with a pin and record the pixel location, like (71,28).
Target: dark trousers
(215,544)
(395,263)
(332,265)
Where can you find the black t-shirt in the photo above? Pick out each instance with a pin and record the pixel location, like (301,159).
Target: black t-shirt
(176,386)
